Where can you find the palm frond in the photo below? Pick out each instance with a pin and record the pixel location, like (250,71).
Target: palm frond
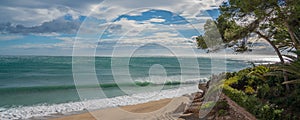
(290,58)
(275,73)
(297,81)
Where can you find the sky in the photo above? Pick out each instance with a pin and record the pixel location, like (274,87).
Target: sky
(110,27)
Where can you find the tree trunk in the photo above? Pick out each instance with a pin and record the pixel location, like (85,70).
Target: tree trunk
(291,34)
(290,31)
(285,77)
(273,46)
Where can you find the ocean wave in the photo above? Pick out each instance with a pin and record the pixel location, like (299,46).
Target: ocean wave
(147,81)
(27,112)
(174,80)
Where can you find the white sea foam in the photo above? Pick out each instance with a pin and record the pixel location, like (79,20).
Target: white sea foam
(26,112)
(172,79)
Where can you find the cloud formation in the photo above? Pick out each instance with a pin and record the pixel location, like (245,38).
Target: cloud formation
(54,26)
(168,22)
(35,12)
(10,37)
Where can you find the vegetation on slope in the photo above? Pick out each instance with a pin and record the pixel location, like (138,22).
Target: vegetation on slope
(263,94)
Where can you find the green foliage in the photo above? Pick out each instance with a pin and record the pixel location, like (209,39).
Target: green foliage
(271,113)
(291,68)
(258,89)
(234,32)
(222,105)
(208,105)
(211,38)
(249,90)
(278,19)
(201,43)
(259,71)
(261,94)
(232,80)
(229,75)
(261,110)
(222,112)
(263,91)
(248,79)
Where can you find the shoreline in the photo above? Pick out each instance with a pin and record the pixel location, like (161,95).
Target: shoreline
(159,109)
(63,109)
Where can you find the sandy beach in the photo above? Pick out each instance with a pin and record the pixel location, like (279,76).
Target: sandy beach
(161,109)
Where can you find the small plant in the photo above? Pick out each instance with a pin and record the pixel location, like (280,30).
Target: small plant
(208,105)
(249,90)
(222,105)
(222,112)
(263,91)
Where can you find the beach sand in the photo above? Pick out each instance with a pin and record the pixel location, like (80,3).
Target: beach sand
(161,109)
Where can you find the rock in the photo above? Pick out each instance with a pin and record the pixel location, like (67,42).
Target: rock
(198,95)
(193,109)
(202,86)
(196,104)
(197,100)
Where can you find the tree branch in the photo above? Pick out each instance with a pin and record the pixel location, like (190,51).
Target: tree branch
(274,47)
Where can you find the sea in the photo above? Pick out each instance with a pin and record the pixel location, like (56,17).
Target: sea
(39,86)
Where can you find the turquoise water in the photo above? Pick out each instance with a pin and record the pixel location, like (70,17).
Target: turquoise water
(32,80)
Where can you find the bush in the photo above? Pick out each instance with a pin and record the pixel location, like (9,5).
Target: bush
(260,91)
(208,105)
(271,113)
(249,90)
(222,105)
(222,112)
(222,108)
(264,111)
(263,90)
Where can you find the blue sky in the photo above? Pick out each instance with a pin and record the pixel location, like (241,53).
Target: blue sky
(57,27)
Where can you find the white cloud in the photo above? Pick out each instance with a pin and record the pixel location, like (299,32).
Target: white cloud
(165,38)
(34,12)
(67,39)
(135,32)
(52,34)
(157,20)
(30,46)
(137,13)
(125,27)
(10,37)
(111,9)
(47,28)
(32,17)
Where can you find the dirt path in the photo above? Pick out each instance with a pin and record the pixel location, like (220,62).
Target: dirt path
(235,112)
(238,109)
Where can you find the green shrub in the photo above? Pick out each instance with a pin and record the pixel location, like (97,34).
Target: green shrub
(263,91)
(261,110)
(271,113)
(222,112)
(260,91)
(222,105)
(249,90)
(232,80)
(208,105)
